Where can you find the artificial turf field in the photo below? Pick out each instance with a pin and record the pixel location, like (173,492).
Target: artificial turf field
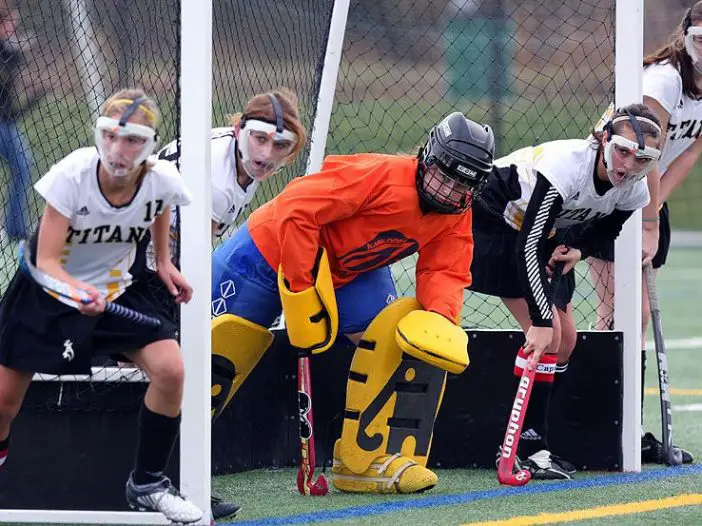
(657,496)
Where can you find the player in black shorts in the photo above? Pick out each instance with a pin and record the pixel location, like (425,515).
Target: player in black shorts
(533,195)
(101,205)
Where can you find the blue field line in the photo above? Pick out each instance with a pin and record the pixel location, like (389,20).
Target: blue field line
(472,496)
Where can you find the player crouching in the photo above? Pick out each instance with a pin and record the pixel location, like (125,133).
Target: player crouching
(355,217)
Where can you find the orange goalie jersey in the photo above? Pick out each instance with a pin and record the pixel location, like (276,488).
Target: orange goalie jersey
(365,210)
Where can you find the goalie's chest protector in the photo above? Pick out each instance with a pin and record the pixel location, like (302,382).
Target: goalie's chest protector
(101,244)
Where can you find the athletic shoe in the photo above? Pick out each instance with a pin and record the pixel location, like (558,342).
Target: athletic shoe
(652,451)
(544,467)
(221,509)
(162,497)
(564,464)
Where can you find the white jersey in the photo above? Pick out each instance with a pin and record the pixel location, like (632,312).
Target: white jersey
(663,83)
(569,166)
(229,199)
(101,243)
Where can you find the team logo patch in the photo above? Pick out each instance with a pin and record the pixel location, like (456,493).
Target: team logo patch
(68,353)
(227,289)
(385,248)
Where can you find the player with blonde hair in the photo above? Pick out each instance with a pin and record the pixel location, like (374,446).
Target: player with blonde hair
(101,203)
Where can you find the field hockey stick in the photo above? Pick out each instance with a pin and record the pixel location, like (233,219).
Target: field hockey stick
(671,455)
(508,452)
(77,295)
(305,474)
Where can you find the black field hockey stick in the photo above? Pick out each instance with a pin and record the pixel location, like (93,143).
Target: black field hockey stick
(77,295)
(671,455)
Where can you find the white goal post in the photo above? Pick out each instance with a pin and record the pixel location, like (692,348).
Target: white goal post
(628,60)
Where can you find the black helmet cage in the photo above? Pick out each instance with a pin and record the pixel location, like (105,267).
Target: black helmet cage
(463,152)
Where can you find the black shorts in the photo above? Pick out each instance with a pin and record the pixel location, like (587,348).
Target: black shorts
(494,268)
(607,254)
(40,334)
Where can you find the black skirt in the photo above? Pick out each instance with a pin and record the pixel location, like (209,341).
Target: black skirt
(40,334)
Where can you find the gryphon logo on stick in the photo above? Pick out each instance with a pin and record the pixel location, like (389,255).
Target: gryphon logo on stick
(515,416)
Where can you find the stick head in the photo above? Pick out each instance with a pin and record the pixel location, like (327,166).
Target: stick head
(520,478)
(305,486)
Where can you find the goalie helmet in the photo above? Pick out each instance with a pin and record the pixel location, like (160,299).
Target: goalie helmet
(455,164)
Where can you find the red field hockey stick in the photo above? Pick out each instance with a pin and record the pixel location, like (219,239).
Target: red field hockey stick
(508,452)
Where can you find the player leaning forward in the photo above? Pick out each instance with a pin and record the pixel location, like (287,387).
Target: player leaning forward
(323,246)
(100,206)
(534,193)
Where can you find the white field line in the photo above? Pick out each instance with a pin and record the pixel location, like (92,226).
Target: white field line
(688,407)
(678,343)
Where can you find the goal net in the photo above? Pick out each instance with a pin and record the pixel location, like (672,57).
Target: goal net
(60,62)
(535,70)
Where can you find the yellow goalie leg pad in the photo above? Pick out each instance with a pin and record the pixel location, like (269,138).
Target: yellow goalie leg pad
(392,400)
(311,315)
(237,346)
(430,337)
(388,474)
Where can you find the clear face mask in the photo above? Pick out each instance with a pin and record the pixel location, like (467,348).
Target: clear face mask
(264,150)
(627,162)
(693,46)
(123,147)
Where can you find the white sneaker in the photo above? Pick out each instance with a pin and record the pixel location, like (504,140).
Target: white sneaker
(162,497)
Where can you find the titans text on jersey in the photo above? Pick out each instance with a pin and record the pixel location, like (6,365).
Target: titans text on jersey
(101,243)
(569,166)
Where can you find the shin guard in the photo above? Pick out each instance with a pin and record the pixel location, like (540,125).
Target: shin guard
(392,400)
(237,346)
(535,428)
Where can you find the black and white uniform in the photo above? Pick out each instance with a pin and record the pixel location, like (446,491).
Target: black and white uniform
(663,83)
(105,246)
(229,199)
(530,195)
